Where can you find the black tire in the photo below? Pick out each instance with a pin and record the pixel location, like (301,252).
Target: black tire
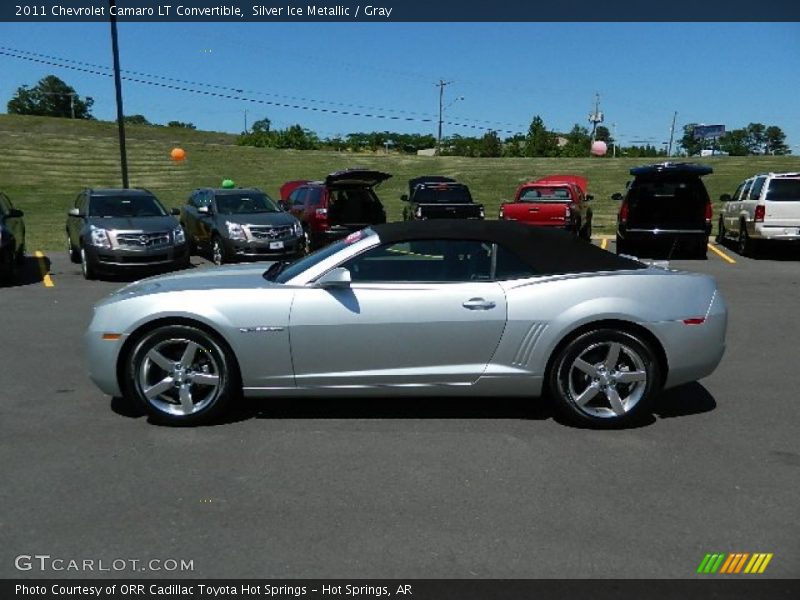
(218,254)
(622,246)
(720,238)
(87,268)
(586,231)
(746,245)
(8,266)
(73,253)
(20,257)
(155,360)
(569,384)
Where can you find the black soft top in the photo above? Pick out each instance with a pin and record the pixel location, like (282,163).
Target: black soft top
(546,251)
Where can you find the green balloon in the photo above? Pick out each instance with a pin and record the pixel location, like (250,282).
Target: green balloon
(228,183)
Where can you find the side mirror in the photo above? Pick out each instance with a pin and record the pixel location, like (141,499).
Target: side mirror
(175,211)
(15,213)
(616,196)
(404,197)
(284,205)
(335,278)
(589,197)
(725,198)
(204,210)
(74,212)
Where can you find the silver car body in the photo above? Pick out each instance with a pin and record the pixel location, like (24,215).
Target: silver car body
(410,339)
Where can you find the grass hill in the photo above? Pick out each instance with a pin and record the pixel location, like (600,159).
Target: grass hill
(46,161)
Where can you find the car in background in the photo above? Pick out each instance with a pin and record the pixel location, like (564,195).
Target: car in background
(341,204)
(764,208)
(666,208)
(12,238)
(110,231)
(235,224)
(437,197)
(555,201)
(445,307)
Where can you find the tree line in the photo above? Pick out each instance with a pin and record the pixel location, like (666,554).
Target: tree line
(53,97)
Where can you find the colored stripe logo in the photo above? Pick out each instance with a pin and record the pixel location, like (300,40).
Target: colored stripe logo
(731,564)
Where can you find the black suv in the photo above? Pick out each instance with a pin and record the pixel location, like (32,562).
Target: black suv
(437,197)
(240,223)
(666,208)
(12,238)
(109,230)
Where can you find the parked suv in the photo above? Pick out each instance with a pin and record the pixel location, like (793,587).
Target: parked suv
(331,209)
(110,230)
(437,197)
(666,207)
(240,223)
(12,238)
(765,207)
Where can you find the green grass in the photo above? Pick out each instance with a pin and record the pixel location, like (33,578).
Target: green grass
(45,162)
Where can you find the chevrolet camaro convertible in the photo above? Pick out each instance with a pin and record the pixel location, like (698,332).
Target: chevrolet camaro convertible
(421,308)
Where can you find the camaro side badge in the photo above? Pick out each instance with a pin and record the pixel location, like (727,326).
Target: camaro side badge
(260,329)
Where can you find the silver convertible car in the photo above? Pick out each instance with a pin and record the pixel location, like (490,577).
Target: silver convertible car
(422,308)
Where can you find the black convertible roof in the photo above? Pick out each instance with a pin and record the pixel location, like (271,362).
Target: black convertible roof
(547,251)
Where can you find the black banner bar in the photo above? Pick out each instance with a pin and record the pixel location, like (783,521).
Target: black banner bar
(386,11)
(744,587)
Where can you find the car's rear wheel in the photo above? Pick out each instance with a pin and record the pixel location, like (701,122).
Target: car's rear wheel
(180,375)
(605,378)
(622,246)
(20,258)
(720,231)
(586,232)
(8,265)
(746,246)
(87,268)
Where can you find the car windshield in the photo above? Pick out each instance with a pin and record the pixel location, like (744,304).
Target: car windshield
(541,194)
(245,204)
(784,190)
(445,194)
(125,206)
(289,271)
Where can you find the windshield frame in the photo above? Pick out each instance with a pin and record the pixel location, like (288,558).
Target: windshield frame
(118,200)
(255,196)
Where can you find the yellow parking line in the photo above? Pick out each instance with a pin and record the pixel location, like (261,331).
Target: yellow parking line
(721,254)
(604,243)
(46,279)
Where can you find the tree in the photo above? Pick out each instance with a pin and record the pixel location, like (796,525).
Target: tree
(261,126)
(181,125)
(578,142)
(539,141)
(775,141)
(603,134)
(690,144)
(735,142)
(135,120)
(50,97)
(490,144)
(756,138)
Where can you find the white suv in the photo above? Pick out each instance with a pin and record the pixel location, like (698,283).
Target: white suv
(764,207)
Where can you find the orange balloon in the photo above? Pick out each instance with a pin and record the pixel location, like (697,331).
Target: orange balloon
(178,154)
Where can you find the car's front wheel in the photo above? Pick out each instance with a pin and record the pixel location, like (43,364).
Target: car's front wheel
(746,246)
(87,268)
(180,375)
(605,378)
(218,256)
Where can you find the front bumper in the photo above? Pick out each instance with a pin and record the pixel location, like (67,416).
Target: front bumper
(117,258)
(263,249)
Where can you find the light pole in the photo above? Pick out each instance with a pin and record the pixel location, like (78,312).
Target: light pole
(123,155)
(441,120)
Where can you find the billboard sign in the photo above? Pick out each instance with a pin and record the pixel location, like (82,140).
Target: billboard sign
(705,132)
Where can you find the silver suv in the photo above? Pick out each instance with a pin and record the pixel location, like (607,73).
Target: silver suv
(764,207)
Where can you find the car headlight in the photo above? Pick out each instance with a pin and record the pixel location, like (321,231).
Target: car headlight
(99,237)
(178,235)
(297,228)
(235,231)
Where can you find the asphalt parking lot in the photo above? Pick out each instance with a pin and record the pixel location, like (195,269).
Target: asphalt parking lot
(401,488)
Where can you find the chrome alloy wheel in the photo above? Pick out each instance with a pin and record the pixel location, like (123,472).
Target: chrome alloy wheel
(217,252)
(607,380)
(179,377)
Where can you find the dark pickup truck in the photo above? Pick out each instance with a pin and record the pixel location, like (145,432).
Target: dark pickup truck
(436,197)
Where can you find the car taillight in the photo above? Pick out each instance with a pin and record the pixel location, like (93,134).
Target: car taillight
(322,213)
(694,321)
(567,211)
(760,211)
(500,214)
(623,211)
(709,212)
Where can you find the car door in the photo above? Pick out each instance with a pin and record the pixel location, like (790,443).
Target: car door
(189,217)
(296,203)
(748,208)
(415,314)
(205,220)
(728,210)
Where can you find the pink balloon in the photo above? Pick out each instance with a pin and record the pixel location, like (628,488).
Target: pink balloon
(599,148)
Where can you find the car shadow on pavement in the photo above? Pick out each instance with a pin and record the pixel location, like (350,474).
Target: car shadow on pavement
(683,401)
(31,271)
(775,251)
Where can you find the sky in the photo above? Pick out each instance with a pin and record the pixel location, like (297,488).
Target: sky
(502,74)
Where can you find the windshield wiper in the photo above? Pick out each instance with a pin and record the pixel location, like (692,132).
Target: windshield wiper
(275,270)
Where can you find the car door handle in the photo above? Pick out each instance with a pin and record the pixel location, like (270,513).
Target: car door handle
(478,304)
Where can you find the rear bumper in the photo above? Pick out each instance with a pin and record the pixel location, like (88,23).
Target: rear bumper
(662,236)
(777,233)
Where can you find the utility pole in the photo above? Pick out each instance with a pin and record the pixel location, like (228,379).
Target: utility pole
(613,140)
(441,85)
(596,116)
(672,133)
(123,155)
(245,120)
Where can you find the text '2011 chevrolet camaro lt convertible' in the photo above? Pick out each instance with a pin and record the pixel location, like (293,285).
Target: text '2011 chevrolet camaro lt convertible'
(422,308)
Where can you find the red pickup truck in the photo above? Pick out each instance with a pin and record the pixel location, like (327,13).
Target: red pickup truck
(553,201)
